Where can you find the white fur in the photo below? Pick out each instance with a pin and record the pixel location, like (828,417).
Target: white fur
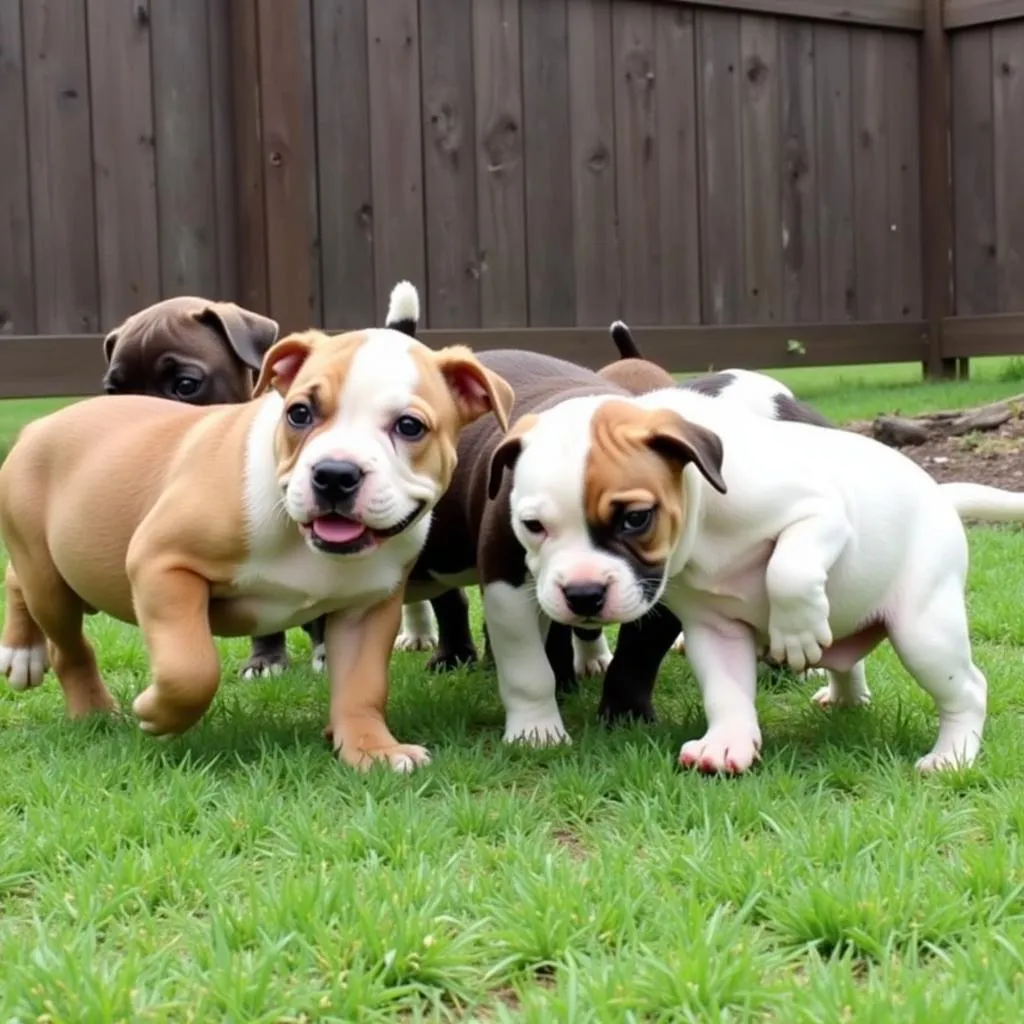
(590,657)
(789,558)
(419,628)
(403,304)
(24,666)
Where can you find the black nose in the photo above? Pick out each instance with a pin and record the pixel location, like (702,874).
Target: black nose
(111,387)
(334,480)
(585,599)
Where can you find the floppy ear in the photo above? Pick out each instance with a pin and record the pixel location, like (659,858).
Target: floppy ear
(248,333)
(475,389)
(282,364)
(680,441)
(506,455)
(108,345)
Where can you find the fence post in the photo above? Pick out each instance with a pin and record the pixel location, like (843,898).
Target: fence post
(936,190)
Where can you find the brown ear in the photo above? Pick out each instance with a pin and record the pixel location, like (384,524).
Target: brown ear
(506,455)
(680,441)
(248,333)
(108,345)
(475,389)
(282,364)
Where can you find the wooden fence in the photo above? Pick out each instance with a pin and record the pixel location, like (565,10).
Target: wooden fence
(748,182)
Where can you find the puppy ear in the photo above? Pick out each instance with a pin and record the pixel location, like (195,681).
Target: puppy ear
(282,364)
(506,455)
(683,442)
(403,309)
(475,389)
(248,333)
(108,345)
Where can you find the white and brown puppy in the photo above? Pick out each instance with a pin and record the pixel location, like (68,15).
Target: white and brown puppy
(313,499)
(756,533)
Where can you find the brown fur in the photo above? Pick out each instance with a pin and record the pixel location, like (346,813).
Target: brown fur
(637,376)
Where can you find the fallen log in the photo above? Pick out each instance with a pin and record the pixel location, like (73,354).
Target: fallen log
(905,432)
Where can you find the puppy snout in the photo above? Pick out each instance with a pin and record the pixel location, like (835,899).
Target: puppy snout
(585,599)
(336,481)
(111,386)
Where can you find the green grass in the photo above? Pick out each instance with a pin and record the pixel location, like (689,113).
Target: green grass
(238,874)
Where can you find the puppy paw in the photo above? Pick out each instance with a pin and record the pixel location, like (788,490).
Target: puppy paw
(445,660)
(591,658)
(679,644)
(415,642)
(731,749)
(24,667)
(399,757)
(536,729)
(947,760)
(261,666)
(159,718)
(833,696)
(799,632)
(319,661)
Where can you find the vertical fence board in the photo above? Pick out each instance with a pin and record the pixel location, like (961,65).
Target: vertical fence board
(310,181)
(903,259)
(762,167)
(224,167)
(127,241)
(592,116)
(675,96)
(868,87)
(801,284)
(343,156)
(448,154)
(500,184)
(184,156)
(549,222)
(833,127)
(60,166)
(1008,117)
(721,166)
(973,150)
(396,146)
(17,305)
(638,156)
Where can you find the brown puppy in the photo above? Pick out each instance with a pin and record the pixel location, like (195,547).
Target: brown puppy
(313,500)
(190,349)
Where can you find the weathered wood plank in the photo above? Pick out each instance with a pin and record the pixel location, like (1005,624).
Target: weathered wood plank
(396,147)
(968,337)
(762,166)
(500,184)
(1008,119)
(17,299)
(311,186)
(800,258)
(973,150)
(60,166)
(880,13)
(449,147)
(963,13)
(592,113)
(225,184)
(833,127)
(903,261)
(551,275)
(675,96)
(343,154)
(638,159)
(721,165)
(124,164)
(184,155)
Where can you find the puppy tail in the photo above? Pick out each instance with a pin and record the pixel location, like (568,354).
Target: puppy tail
(985,504)
(403,309)
(624,341)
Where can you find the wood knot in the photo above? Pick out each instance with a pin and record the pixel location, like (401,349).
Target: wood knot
(1006,68)
(501,143)
(142,16)
(447,127)
(757,70)
(276,158)
(598,159)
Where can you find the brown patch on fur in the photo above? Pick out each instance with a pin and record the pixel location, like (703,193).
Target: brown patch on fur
(637,376)
(636,460)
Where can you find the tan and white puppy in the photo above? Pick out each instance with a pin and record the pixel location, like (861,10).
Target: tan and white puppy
(756,533)
(313,499)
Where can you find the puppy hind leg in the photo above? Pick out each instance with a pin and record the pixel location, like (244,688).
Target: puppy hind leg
(455,645)
(419,628)
(844,689)
(23,656)
(591,653)
(269,657)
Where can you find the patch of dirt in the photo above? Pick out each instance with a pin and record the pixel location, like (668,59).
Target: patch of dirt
(994,457)
(571,842)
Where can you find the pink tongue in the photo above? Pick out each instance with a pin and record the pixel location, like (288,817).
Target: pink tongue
(337,529)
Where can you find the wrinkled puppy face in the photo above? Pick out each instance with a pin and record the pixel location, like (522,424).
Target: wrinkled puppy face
(369,423)
(598,502)
(188,349)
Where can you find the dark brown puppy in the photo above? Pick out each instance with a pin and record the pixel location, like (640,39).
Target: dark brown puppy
(189,349)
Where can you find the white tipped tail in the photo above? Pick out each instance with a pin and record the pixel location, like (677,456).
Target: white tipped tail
(404,305)
(986,504)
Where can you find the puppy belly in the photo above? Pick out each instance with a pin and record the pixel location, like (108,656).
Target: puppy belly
(846,652)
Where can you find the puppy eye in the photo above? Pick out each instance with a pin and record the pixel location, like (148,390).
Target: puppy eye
(299,415)
(409,428)
(534,526)
(186,387)
(636,520)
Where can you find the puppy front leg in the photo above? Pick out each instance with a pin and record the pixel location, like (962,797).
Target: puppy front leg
(798,609)
(172,607)
(525,678)
(359,646)
(724,659)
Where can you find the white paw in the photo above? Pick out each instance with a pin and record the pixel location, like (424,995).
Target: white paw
(409,758)
(24,666)
(949,759)
(415,641)
(832,696)
(729,748)
(679,644)
(260,669)
(537,729)
(590,658)
(319,661)
(798,632)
